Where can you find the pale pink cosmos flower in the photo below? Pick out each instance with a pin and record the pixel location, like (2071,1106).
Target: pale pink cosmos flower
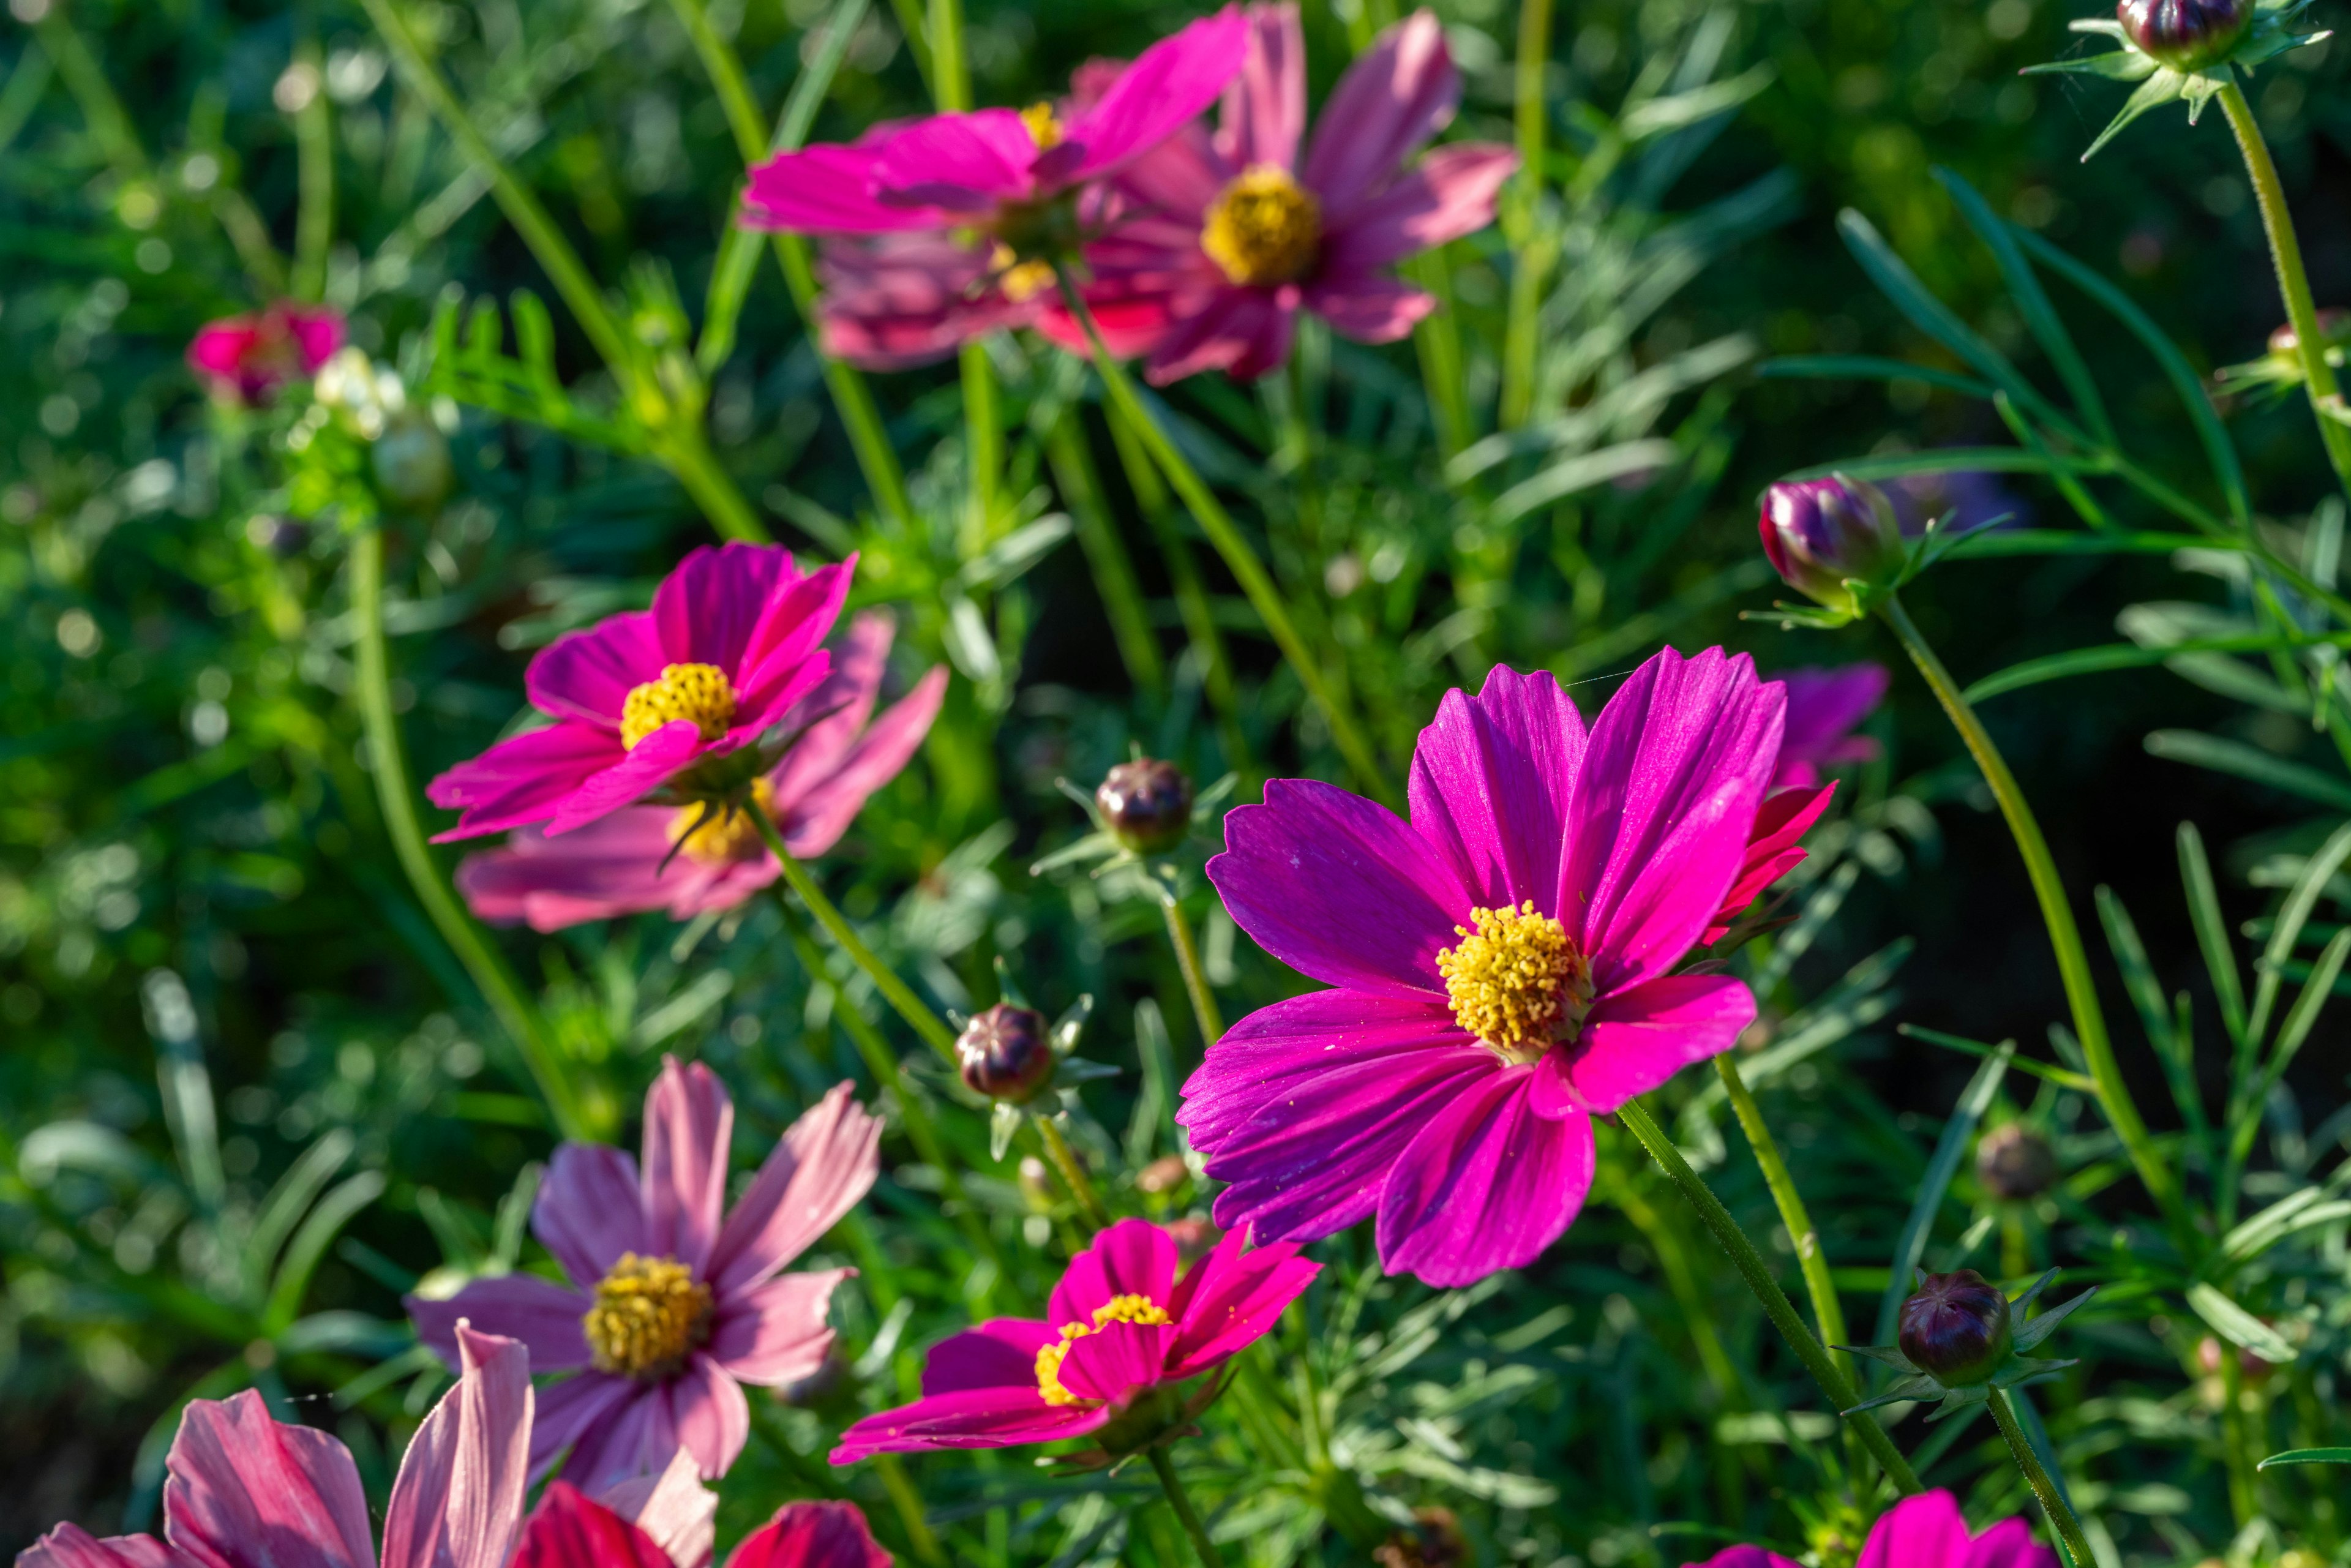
(679,859)
(1923,1532)
(672,1303)
(246,358)
(1227,236)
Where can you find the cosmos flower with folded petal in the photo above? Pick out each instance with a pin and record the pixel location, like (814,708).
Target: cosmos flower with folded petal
(1923,1532)
(245,358)
(1503,964)
(673,1302)
(682,860)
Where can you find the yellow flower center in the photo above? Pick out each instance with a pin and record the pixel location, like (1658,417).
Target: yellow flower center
(1022,281)
(1517,981)
(1044,127)
(699,692)
(1263,228)
(1117,1310)
(649,1314)
(718,834)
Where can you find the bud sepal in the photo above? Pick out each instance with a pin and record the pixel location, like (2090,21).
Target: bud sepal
(1010,1060)
(2175,66)
(1151,830)
(2006,1366)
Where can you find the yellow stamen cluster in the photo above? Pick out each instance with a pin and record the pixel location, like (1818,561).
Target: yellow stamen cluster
(699,692)
(1044,126)
(1022,281)
(1264,228)
(649,1313)
(718,834)
(1117,1310)
(1517,981)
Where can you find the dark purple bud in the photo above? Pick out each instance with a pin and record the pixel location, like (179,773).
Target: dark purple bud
(2014,1163)
(1147,805)
(1956,1328)
(2186,35)
(1820,532)
(1006,1053)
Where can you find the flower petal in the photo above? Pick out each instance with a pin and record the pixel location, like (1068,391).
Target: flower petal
(1264,109)
(828,190)
(1368,308)
(1745,1557)
(249,1492)
(569,1529)
(590,1210)
(830,718)
(1772,850)
(962,163)
(973,1418)
(1923,1532)
(542,1315)
(999,1354)
(616,865)
(458,1497)
(588,675)
(633,775)
(1447,195)
(1230,1299)
(689,1130)
(1489,786)
(1487,1185)
(582,1414)
(1117,1360)
(1399,92)
(1823,706)
(71,1546)
(814,821)
(786,643)
(1132,1258)
(709,1414)
(1638,1038)
(811,1535)
(627,1438)
(821,1167)
(674,1508)
(524,778)
(705,609)
(776,1333)
(1169,83)
(1242,332)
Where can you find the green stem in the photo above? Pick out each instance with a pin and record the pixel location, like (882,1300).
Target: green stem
(22,96)
(1186,1514)
(2285,251)
(1437,341)
(920,1539)
(314,143)
(2053,1502)
(110,124)
(1073,1171)
(1195,981)
(2244,1501)
(1531,253)
(1826,1309)
(1129,625)
(1776,1306)
(1227,536)
(983,433)
(389,766)
(2056,913)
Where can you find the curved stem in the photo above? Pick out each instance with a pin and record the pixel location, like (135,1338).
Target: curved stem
(2053,1502)
(387,766)
(314,143)
(1826,1309)
(1186,1514)
(1752,1268)
(1205,1012)
(2056,913)
(1072,1172)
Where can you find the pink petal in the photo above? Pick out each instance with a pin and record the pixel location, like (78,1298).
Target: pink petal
(815,821)
(1771,850)
(633,775)
(1745,1557)
(1169,83)
(894,301)
(1490,785)
(566,1530)
(1117,1360)
(1337,887)
(1399,93)
(1367,307)
(830,718)
(1132,1258)
(821,1167)
(710,1416)
(674,1508)
(219,348)
(1242,332)
(788,642)
(1923,1532)
(976,1418)
(963,163)
(588,675)
(1264,111)
(705,609)
(605,1422)
(1447,195)
(616,865)
(589,1210)
(71,1546)
(318,333)
(1177,178)
(543,1316)
(248,1491)
(458,1497)
(811,1535)
(999,1354)
(1487,1185)
(776,1333)
(827,190)
(1666,905)
(689,1130)
(524,778)
(1230,1299)
(1637,1038)
(1823,706)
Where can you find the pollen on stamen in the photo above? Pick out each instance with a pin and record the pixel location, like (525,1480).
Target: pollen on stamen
(1129,1308)
(1264,228)
(1044,125)
(649,1315)
(699,692)
(1516,981)
(716,834)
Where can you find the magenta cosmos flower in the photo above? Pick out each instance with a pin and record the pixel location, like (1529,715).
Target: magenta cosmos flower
(1503,963)
(654,857)
(671,1305)
(1228,237)
(1923,1532)
(684,697)
(1824,706)
(247,358)
(1121,1332)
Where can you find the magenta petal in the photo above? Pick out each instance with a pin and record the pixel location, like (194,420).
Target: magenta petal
(965,164)
(1823,706)
(1447,195)
(786,643)
(524,778)
(1771,850)
(815,820)
(588,675)
(616,865)
(590,1210)
(705,609)
(248,1491)
(1231,1297)
(1487,1184)
(1490,785)
(811,1535)
(1638,1038)
(827,190)
(689,1129)
(1368,308)
(457,1500)
(821,1166)
(625,1438)
(633,775)
(1928,1531)
(1132,1258)
(999,1354)
(1666,907)
(579,1413)
(1264,109)
(566,1530)
(71,1546)
(976,1418)
(776,1333)
(1338,887)
(542,1315)
(710,1416)
(830,718)
(1399,93)
(1117,1360)
(1169,83)
(1744,1557)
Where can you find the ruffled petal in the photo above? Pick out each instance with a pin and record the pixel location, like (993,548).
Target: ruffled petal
(707,608)
(1637,1038)
(776,1333)
(588,675)
(819,1168)
(830,718)
(689,1130)
(590,1210)
(543,1316)
(1399,92)
(1771,850)
(1487,1185)
(828,190)
(71,1546)
(785,644)
(1132,1258)
(976,1418)
(811,1535)
(458,1497)
(1923,1532)
(1230,1299)
(1489,786)
(1447,195)
(633,775)
(244,1490)
(1264,109)
(962,163)
(524,778)
(616,865)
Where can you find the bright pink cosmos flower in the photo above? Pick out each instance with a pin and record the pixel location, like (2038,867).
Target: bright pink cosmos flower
(1824,707)
(1923,1532)
(1503,963)
(1120,1330)
(671,1307)
(1228,237)
(569,1531)
(246,358)
(683,694)
(654,857)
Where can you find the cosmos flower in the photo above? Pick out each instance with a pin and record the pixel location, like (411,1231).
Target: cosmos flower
(1227,236)
(1824,706)
(655,857)
(685,698)
(1502,964)
(1120,1333)
(245,359)
(1923,1532)
(669,1306)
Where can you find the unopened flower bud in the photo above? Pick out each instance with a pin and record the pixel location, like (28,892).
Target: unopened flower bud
(1194,1238)
(1819,533)
(1434,1541)
(2186,35)
(1147,805)
(1006,1053)
(1163,1175)
(2334,332)
(1956,1328)
(2014,1163)
(410,461)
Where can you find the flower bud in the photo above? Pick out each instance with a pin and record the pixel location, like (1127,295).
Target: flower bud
(1164,1174)
(1147,805)
(2014,1163)
(2334,332)
(1956,1328)
(1820,532)
(1006,1053)
(410,461)
(1194,1238)
(2186,35)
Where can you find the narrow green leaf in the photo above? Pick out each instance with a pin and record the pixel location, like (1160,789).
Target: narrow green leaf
(1953,1146)
(310,1243)
(2308,1457)
(2133,656)
(2032,301)
(2237,1326)
(287,1201)
(2211,930)
(2176,1054)
(1990,543)
(2299,901)
(2064,1077)
(1940,460)
(1868,367)
(2201,750)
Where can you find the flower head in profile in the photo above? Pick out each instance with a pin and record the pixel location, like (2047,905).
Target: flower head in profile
(1923,1532)
(245,359)
(686,700)
(1122,1333)
(1227,236)
(1503,964)
(689,859)
(2183,51)
(672,1302)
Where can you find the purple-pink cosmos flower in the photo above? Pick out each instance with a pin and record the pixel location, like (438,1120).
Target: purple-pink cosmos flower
(676,858)
(1923,1532)
(1503,963)
(671,1301)
(1824,705)
(1120,1327)
(1227,236)
(246,358)
(683,694)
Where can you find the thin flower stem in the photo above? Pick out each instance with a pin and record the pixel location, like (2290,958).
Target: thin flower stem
(983,432)
(1205,1012)
(2244,1501)
(1129,621)
(2294,282)
(1826,1309)
(1186,1514)
(1532,253)
(920,1539)
(314,143)
(1263,596)
(2056,913)
(1072,1172)
(2053,1502)
(387,763)
(1752,1268)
